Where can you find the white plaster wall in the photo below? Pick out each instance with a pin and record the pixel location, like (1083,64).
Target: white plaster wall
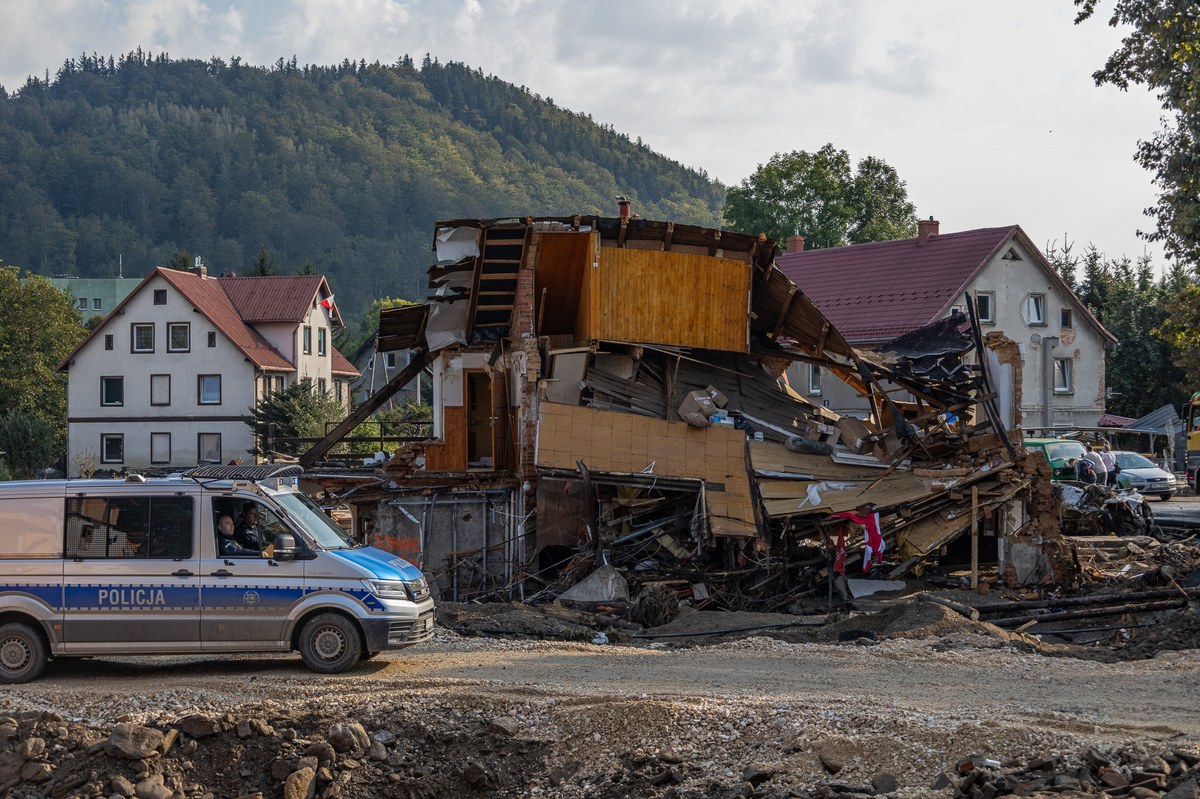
(1013,282)
(238,385)
(236,442)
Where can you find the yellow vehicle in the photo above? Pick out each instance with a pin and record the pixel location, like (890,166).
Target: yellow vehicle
(1191,414)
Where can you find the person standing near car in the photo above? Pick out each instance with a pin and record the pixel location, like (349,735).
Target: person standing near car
(1091,456)
(1110,464)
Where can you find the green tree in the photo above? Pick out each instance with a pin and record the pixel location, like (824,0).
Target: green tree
(27,444)
(823,198)
(1140,372)
(180,260)
(1162,53)
(299,411)
(264,264)
(38,329)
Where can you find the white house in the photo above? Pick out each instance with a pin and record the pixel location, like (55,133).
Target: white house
(169,378)
(875,292)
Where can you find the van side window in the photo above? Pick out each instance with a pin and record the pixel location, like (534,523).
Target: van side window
(129,527)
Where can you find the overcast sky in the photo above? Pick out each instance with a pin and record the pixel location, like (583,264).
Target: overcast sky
(987,110)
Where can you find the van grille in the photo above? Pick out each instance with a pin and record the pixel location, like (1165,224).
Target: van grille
(411,632)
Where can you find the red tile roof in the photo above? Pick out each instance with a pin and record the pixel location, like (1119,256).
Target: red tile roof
(211,297)
(875,292)
(340,365)
(207,296)
(276,298)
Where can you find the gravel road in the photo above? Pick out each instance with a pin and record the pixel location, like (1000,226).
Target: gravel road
(908,707)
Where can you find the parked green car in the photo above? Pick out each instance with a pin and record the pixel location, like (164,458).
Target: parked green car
(1059,451)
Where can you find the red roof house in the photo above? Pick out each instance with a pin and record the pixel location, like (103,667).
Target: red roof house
(168,379)
(875,292)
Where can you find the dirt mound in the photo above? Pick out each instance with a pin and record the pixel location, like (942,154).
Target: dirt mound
(1178,630)
(512,619)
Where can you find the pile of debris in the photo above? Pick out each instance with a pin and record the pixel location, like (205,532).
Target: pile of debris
(1173,774)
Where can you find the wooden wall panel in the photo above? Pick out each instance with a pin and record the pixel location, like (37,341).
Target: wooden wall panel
(608,441)
(451,454)
(673,298)
(562,263)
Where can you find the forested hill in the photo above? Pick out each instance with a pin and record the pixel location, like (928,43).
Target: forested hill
(345,168)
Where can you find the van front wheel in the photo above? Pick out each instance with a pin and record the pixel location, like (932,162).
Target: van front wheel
(330,643)
(22,653)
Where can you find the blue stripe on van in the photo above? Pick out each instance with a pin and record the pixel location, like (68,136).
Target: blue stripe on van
(51,595)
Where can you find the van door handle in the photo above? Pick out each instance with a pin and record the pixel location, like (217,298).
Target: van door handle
(221,573)
(182,573)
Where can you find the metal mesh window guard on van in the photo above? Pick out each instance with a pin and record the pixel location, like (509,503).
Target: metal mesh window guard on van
(129,527)
(260,471)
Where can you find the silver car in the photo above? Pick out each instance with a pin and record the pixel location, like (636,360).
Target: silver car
(1145,475)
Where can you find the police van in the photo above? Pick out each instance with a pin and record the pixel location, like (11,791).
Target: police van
(142,566)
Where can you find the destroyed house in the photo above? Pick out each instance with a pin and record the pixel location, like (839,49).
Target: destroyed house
(612,391)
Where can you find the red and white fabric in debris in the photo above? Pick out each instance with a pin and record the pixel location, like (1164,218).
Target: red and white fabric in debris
(871,536)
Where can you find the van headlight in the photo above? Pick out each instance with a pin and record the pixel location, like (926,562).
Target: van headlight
(388,589)
(399,589)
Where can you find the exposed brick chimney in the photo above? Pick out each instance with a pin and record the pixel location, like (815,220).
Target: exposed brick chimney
(795,243)
(925,229)
(623,206)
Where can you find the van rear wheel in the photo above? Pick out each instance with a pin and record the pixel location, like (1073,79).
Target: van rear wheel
(330,643)
(22,653)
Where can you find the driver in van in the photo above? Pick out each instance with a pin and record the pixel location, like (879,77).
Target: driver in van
(227,542)
(248,533)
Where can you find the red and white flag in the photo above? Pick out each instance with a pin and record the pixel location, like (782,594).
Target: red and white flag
(327,303)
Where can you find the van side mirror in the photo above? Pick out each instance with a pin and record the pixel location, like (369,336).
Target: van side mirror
(285,547)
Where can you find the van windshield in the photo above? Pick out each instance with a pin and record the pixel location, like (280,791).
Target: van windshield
(309,515)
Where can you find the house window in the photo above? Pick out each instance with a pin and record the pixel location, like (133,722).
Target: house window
(108,341)
(814,379)
(112,391)
(1064,378)
(138,526)
(337,389)
(321,340)
(985,302)
(212,339)
(83,303)
(389,360)
(209,389)
(307,340)
(179,337)
(956,309)
(143,338)
(160,296)
(160,389)
(112,448)
(321,388)
(1036,308)
(96,304)
(279,384)
(1065,319)
(208,447)
(160,447)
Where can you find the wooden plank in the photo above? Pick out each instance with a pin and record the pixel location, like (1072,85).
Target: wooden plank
(787,306)
(451,454)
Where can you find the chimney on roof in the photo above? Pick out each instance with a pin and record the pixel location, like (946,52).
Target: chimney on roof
(795,243)
(623,206)
(198,268)
(925,229)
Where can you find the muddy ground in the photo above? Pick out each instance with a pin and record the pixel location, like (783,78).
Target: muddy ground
(886,703)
